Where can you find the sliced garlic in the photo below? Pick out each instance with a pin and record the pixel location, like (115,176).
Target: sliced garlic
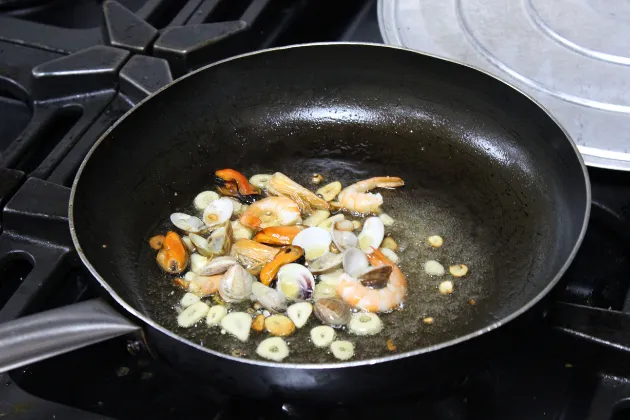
(434,268)
(458,270)
(192,314)
(299,313)
(331,278)
(215,315)
(203,199)
(190,276)
(316,217)
(260,180)
(330,222)
(356,224)
(189,299)
(391,255)
(435,241)
(329,191)
(446,287)
(273,348)
(386,219)
(241,232)
(365,323)
(237,207)
(342,350)
(322,335)
(238,324)
(344,225)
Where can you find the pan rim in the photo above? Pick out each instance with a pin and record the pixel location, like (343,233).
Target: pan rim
(365,362)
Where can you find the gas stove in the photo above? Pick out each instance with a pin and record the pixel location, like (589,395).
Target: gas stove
(69,69)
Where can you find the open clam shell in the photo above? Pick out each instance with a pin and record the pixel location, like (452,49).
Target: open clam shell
(325,263)
(355,262)
(218,212)
(236,284)
(314,240)
(187,223)
(295,281)
(269,298)
(372,234)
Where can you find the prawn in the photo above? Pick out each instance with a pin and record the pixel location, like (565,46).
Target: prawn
(374,300)
(281,185)
(356,197)
(253,255)
(201,286)
(271,211)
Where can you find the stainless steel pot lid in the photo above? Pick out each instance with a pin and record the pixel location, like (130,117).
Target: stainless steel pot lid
(573,56)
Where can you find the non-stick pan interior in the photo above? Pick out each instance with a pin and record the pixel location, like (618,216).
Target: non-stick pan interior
(473,152)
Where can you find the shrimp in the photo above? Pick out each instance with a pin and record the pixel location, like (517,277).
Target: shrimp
(253,255)
(271,211)
(374,300)
(356,197)
(281,185)
(172,257)
(201,286)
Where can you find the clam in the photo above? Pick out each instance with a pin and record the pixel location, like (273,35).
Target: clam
(218,212)
(269,298)
(314,240)
(220,241)
(197,262)
(372,234)
(325,263)
(236,284)
(187,223)
(332,311)
(355,262)
(344,239)
(376,277)
(201,243)
(295,282)
(324,290)
(216,266)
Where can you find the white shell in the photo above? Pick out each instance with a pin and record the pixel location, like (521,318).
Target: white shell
(217,265)
(372,234)
(197,262)
(236,284)
(269,298)
(201,243)
(218,212)
(203,199)
(355,262)
(185,222)
(188,244)
(295,282)
(344,239)
(314,240)
(325,263)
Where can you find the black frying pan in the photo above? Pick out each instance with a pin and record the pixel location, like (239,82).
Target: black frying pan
(499,166)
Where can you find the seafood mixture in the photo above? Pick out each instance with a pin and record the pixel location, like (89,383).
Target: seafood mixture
(265,257)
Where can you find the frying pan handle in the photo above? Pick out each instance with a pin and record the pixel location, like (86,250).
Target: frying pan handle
(600,326)
(57,331)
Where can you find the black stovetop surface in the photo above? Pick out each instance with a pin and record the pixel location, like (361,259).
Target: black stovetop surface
(69,69)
